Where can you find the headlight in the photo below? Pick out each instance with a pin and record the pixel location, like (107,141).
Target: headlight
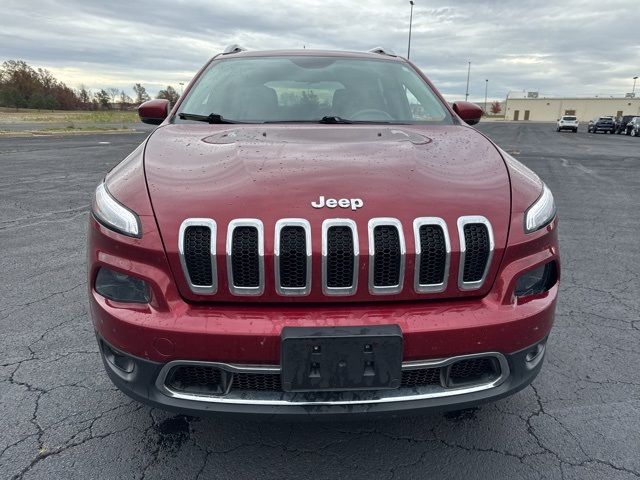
(121,287)
(114,215)
(541,212)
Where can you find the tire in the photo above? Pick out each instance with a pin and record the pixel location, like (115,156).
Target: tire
(575,130)
(557,129)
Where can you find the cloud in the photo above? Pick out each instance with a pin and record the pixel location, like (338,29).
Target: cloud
(574,47)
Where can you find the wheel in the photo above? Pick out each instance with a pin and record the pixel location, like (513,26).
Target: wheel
(634,132)
(575,130)
(557,129)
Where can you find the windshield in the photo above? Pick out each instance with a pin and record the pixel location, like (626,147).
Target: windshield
(308,88)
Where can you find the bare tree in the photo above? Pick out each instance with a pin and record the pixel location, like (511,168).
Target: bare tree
(141,93)
(103,99)
(113,93)
(170,94)
(125,100)
(84,96)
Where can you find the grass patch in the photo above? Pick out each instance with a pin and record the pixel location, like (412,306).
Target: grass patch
(71,117)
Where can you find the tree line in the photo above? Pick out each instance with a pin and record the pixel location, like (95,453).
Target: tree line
(22,86)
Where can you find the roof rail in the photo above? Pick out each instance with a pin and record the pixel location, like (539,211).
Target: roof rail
(235,48)
(383,51)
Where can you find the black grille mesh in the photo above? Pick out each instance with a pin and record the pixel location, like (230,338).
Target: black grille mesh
(293,257)
(433,255)
(245,259)
(256,381)
(421,377)
(386,263)
(195,379)
(339,257)
(476,238)
(197,254)
(471,369)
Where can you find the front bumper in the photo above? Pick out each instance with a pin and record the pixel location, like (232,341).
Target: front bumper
(144,382)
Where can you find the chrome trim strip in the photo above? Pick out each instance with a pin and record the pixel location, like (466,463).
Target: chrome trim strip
(199,222)
(462,221)
(386,290)
(292,222)
(340,222)
(246,222)
(385,396)
(435,287)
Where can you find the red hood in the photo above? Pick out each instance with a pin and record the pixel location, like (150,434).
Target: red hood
(271,172)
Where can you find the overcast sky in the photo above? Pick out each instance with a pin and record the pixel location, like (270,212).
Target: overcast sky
(558,48)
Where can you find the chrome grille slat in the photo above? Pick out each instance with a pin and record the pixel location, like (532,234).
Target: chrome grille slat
(292,267)
(473,254)
(339,288)
(424,257)
(203,283)
(243,260)
(340,255)
(391,267)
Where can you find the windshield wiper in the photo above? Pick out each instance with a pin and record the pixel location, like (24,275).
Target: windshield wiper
(211,118)
(333,119)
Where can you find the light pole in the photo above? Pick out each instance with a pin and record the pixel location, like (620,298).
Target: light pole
(486,87)
(181,87)
(410,22)
(634,85)
(466,96)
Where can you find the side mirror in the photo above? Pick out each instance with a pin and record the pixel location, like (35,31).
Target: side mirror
(467,111)
(154,111)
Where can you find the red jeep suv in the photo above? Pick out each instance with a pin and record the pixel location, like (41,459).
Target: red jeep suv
(319,233)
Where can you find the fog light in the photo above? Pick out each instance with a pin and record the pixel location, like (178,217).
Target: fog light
(121,287)
(537,280)
(117,359)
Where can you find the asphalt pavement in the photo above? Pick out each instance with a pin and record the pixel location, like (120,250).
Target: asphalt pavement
(62,418)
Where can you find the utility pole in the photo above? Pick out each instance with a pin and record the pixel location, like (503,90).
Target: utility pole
(410,23)
(486,87)
(466,96)
(634,85)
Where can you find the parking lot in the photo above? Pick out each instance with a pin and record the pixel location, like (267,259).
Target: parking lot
(62,417)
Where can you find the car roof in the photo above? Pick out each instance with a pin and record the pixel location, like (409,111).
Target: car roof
(313,53)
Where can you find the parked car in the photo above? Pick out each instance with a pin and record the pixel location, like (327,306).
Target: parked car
(621,123)
(567,122)
(320,233)
(602,124)
(633,127)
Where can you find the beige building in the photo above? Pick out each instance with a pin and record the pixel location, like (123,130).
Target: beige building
(550,109)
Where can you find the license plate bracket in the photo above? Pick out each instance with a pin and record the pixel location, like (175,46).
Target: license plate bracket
(341,358)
